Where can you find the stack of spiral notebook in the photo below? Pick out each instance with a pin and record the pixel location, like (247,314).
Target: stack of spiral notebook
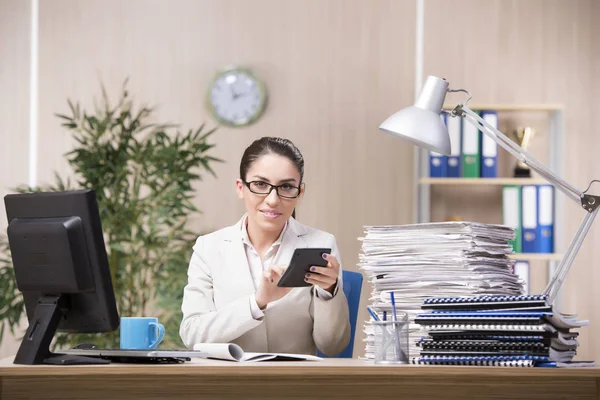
(435,260)
(521,331)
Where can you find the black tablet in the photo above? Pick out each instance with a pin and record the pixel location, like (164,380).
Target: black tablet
(300,265)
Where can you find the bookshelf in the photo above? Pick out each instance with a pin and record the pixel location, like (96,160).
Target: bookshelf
(537,256)
(553,117)
(512,107)
(482,181)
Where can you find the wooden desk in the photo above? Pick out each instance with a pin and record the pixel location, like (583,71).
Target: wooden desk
(330,379)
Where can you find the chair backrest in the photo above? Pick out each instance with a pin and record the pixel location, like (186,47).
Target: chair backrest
(352,287)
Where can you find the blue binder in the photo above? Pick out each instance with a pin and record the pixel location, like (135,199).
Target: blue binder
(529,219)
(545,234)
(437,165)
(489,148)
(455,131)
(438,162)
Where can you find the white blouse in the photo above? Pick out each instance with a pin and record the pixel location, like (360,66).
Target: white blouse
(257,266)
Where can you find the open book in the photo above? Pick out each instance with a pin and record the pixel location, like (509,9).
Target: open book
(233,352)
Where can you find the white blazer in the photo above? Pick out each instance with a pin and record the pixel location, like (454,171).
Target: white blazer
(216,300)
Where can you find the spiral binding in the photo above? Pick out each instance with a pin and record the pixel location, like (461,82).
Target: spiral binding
(458,317)
(484,314)
(475,345)
(487,327)
(501,338)
(479,362)
(485,299)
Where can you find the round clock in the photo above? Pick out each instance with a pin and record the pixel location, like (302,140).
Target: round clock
(236,97)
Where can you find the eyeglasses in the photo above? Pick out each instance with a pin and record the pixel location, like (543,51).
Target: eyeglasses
(284,190)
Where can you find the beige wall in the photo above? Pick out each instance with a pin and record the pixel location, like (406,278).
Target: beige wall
(530,52)
(14,96)
(334,70)
(14,108)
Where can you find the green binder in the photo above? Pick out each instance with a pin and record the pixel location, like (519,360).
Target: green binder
(511,213)
(471,150)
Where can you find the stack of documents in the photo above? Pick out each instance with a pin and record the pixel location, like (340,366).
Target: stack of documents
(497,330)
(435,260)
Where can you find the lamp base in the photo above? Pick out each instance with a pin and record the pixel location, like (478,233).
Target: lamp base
(522,172)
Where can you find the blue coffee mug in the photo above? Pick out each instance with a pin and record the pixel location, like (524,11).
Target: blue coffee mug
(141,333)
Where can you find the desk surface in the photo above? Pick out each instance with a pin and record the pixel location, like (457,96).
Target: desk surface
(330,378)
(330,367)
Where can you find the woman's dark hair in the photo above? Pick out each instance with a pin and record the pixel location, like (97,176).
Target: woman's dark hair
(272,145)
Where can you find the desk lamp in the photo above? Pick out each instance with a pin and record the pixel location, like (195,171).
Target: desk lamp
(421,124)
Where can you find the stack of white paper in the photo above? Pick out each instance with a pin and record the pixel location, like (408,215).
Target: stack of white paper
(445,259)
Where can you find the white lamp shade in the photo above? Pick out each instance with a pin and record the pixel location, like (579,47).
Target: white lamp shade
(422,127)
(421,123)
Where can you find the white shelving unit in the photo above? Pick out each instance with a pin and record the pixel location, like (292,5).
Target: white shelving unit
(555,162)
(482,181)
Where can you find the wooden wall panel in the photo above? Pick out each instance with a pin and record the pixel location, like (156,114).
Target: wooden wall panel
(14,97)
(334,71)
(14,108)
(586,274)
(530,52)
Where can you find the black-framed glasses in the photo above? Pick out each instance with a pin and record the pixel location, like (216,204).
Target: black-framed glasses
(284,190)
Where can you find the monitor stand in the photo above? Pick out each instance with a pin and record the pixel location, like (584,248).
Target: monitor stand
(35,347)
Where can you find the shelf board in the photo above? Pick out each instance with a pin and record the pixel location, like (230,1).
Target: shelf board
(537,256)
(511,107)
(483,181)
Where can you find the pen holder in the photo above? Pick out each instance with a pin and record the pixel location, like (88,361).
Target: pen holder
(391,342)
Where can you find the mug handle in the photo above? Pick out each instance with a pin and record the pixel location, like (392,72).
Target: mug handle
(161,333)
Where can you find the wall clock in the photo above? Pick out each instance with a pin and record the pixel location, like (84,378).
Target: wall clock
(236,97)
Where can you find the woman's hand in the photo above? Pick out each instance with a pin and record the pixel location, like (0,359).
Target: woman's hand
(325,277)
(268,291)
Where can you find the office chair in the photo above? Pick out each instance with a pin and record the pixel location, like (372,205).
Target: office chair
(352,287)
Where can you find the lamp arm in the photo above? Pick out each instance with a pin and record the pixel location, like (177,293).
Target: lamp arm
(590,203)
(565,263)
(519,152)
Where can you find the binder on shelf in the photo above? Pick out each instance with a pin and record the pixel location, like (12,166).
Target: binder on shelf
(454,125)
(437,165)
(521,269)
(489,148)
(471,152)
(438,162)
(511,213)
(545,235)
(529,220)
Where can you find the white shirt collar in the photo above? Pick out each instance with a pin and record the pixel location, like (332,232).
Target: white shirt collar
(246,238)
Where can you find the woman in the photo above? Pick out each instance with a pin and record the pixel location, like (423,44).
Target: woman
(232,294)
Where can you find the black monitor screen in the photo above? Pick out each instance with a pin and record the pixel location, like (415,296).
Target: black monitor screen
(59,256)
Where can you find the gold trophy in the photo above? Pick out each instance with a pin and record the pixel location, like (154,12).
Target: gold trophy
(524,137)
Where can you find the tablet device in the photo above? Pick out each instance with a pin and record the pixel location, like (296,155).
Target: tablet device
(300,265)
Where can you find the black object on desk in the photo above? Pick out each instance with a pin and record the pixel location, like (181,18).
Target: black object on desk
(61,267)
(148,356)
(300,265)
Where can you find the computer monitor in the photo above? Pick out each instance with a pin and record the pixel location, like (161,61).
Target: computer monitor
(61,267)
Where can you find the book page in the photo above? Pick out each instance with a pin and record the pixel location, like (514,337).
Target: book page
(222,351)
(233,352)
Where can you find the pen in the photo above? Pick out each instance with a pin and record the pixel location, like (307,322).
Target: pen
(373,314)
(394,317)
(397,345)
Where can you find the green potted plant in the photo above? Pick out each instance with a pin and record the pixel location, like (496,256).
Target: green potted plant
(142,173)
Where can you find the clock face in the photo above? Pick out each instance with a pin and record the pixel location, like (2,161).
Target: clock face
(236,97)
